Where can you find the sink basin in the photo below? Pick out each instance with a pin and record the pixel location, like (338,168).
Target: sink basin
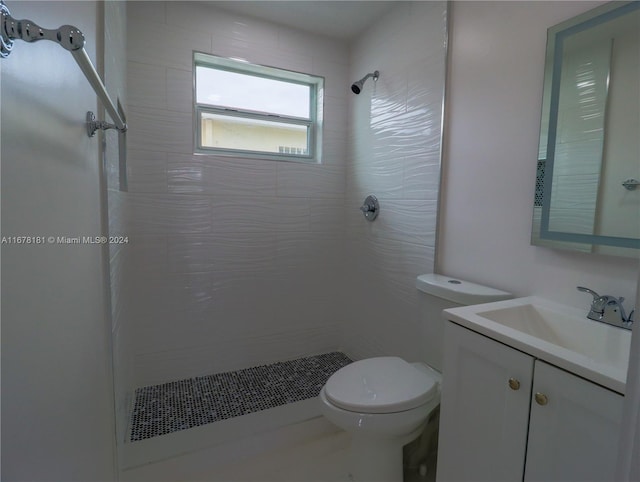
(587,337)
(555,333)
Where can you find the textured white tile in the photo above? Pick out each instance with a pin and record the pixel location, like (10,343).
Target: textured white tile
(298,41)
(219,356)
(381,176)
(160,130)
(146,85)
(336,74)
(327,217)
(124,383)
(330,50)
(422,177)
(311,259)
(301,179)
(207,19)
(187,177)
(335,148)
(117,207)
(117,261)
(246,259)
(164,45)
(147,259)
(412,221)
(293,214)
(221,176)
(425,96)
(335,114)
(145,11)
(169,214)
(276,58)
(111,160)
(180,90)
(395,142)
(147,171)
(243,215)
(191,254)
(233,256)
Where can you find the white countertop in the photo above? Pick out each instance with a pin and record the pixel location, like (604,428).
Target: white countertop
(558,334)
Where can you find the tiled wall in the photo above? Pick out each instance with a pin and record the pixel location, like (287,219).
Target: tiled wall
(114,75)
(234,262)
(239,262)
(394,139)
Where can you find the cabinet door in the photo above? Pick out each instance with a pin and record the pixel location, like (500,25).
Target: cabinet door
(484,415)
(574,428)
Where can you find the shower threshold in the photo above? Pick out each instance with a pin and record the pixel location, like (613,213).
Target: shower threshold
(193,402)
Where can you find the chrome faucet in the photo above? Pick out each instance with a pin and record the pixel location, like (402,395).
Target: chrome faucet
(608,309)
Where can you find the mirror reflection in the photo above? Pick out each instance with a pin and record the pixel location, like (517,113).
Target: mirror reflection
(589,152)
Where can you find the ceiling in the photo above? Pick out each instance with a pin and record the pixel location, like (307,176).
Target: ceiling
(337,19)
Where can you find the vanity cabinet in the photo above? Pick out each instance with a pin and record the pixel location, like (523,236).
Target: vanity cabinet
(573,428)
(507,416)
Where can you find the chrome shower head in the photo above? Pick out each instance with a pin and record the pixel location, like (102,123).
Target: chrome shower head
(356,87)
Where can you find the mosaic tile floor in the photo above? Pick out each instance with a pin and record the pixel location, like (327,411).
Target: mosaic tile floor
(166,408)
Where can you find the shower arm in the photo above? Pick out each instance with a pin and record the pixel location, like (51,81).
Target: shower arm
(71,39)
(374,74)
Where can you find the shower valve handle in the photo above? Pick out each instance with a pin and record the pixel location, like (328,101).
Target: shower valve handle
(370,208)
(366,208)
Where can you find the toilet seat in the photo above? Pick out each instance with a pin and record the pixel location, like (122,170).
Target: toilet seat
(380,385)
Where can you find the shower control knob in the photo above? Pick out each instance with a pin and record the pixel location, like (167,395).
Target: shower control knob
(370,208)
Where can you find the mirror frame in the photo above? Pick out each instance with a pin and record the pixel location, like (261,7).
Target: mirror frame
(556,36)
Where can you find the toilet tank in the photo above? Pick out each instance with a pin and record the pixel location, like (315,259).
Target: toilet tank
(440,292)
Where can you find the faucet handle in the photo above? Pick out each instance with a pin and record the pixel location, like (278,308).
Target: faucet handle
(596,311)
(587,290)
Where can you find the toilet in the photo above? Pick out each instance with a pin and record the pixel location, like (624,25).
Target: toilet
(385,402)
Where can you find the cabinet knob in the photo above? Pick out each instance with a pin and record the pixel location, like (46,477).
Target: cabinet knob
(541,398)
(514,384)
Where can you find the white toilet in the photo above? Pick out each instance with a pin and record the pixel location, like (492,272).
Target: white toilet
(384,402)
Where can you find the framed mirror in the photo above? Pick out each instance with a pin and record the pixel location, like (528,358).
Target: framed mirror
(588,177)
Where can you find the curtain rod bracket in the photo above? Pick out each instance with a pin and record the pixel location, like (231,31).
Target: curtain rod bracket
(94,125)
(70,38)
(6,43)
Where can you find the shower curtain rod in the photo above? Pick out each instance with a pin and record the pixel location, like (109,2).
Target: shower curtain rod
(72,39)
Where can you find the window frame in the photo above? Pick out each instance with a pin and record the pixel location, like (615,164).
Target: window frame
(314,123)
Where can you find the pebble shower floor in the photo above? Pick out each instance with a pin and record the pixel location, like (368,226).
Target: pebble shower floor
(174,406)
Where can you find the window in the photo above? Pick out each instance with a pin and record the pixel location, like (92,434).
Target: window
(250,110)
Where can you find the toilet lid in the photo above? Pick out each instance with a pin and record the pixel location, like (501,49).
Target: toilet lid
(380,385)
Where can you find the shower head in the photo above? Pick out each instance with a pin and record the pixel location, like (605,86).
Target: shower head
(356,87)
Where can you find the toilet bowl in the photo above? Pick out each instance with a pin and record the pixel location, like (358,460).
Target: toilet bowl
(383,403)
